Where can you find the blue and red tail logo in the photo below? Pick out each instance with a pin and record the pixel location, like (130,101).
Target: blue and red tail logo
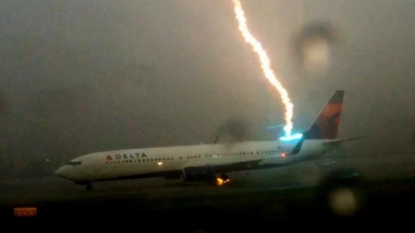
(327,124)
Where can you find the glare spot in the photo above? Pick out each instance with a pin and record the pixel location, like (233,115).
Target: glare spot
(343,202)
(314,48)
(316,52)
(219,181)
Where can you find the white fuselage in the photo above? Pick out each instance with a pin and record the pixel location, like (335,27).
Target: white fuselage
(157,161)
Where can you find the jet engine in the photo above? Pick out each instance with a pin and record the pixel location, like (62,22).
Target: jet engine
(205,174)
(198,174)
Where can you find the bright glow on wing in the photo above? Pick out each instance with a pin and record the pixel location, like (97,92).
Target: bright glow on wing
(265,65)
(292,137)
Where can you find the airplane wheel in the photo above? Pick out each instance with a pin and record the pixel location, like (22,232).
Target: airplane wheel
(88,187)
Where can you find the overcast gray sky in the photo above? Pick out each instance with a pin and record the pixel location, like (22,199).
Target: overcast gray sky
(83,76)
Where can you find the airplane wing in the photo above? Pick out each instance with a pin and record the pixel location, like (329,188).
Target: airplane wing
(225,168)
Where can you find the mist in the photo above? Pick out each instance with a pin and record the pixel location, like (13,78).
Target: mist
(79,77)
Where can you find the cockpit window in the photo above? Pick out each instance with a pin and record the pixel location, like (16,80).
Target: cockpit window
(74,163)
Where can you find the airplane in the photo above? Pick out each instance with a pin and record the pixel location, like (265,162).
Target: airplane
(209,162)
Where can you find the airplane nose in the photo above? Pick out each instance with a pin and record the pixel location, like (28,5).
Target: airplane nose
(60,172)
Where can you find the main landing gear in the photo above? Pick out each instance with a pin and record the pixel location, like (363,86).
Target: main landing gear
(88,187)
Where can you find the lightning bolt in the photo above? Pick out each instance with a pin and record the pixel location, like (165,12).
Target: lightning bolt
(265,65)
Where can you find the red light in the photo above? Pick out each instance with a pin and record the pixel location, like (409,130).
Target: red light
(283,155)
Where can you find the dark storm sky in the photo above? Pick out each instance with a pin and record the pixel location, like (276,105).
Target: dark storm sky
(83,76)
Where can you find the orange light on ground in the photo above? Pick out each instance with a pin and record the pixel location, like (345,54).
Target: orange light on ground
(25,211)
(220,181)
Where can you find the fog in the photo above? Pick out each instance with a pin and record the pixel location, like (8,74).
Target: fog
(85,76)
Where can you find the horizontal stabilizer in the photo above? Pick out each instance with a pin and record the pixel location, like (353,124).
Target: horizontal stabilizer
(338,142)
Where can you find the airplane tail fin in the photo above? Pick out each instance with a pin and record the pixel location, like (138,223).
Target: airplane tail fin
(326,126)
